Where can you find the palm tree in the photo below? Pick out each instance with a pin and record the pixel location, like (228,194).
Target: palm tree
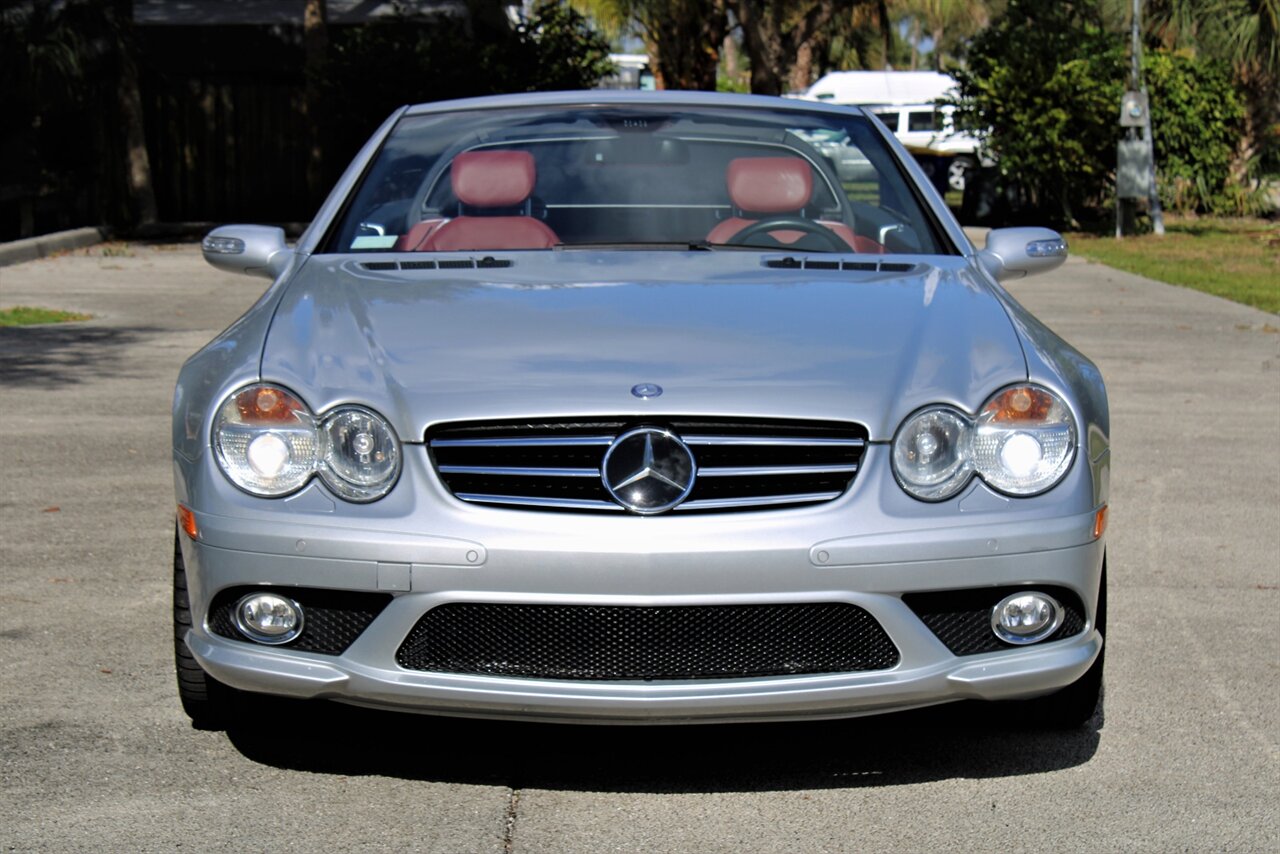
(1244,33)
(786,39)
(948,23)
(682,37)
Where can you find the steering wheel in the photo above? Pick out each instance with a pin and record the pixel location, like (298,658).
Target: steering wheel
(791,223)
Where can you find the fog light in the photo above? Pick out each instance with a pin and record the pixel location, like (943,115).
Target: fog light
(268,618)
(1026,617)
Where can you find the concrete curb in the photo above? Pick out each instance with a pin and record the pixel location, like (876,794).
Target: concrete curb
(31,248)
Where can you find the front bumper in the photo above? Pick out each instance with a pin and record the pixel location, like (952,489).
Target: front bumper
(492,555)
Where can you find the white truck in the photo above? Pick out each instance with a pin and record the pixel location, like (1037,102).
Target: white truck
(906,102)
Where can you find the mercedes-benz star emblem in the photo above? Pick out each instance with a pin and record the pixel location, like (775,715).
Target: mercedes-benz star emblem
(644,391)
(648,470)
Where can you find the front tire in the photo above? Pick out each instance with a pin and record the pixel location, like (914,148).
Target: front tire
(210,704)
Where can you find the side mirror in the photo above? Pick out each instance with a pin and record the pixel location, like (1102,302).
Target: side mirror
(256,250)
(1013,253)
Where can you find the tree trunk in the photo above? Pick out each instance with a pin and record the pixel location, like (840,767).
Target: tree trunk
(762,38)
(886,32)
(141,192)
(801,77)
(783,41)
(729,53)
(1261,111)
(683,39)
(315,46)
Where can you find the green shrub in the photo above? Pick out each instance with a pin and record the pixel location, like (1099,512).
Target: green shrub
(1198,118)
(1043,85)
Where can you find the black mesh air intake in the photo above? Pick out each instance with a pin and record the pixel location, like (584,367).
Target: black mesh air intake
(962,618)
(332,619)
(675,642)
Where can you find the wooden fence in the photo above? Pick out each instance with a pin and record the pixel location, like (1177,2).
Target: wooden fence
(227,150)
(225,130)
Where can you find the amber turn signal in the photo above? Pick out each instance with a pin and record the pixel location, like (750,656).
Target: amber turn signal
(1100,522)
(266,405)
(1023,403)
(187,520)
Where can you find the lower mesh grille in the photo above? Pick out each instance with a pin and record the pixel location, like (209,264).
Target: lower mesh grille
(677,642)
(962,618)
(332,619)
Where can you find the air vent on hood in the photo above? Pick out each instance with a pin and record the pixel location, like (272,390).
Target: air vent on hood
(790,263)
(486,263)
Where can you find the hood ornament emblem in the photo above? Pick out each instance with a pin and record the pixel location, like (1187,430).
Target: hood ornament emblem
(648,470)
(644,391)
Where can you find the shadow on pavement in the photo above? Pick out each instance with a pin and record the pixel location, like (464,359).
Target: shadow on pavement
(62,355)
(971,740)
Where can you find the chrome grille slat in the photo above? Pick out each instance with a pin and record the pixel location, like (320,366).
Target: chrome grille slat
(741,464)
(515,471)
(522,442)
(761,471)
(778,441)
(760,501)
(532,501)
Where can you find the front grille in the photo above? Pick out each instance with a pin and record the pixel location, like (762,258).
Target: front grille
(332,619)
(741,464)
(590,642)
(962,618)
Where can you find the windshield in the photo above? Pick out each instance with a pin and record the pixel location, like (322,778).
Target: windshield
(614,176)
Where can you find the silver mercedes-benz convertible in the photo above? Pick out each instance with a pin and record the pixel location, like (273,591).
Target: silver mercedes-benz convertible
(639,407)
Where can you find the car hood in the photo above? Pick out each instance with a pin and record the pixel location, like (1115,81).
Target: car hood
(569,334)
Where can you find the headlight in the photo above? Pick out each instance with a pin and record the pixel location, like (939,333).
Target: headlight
(268,443)
(931,454)
(1022,442)
(360,455)
(265,439)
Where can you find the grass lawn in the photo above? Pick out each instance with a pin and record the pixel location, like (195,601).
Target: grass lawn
(1234,258)
(26,316)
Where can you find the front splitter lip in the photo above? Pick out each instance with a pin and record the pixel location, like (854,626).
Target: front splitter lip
(1011,674)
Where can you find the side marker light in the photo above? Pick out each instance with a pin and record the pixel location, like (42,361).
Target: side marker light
(187,520)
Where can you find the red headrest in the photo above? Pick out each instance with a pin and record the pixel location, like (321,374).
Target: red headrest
(493,179)
(769,184)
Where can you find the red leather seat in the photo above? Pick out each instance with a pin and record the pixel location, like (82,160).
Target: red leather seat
(485,179)
(763,187)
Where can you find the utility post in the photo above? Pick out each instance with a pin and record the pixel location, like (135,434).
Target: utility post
(1135,155)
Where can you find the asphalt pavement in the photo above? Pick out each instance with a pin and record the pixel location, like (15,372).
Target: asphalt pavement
(97,755)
